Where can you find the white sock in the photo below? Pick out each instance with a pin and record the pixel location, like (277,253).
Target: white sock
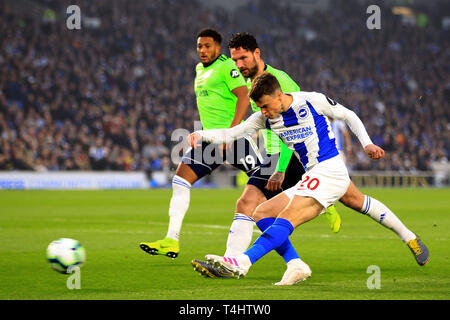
(240,235)
(179,204)
(380,213)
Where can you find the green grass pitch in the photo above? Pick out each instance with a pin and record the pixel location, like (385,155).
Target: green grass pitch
(110,224)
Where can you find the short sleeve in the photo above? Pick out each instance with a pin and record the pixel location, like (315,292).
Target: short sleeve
(232,76)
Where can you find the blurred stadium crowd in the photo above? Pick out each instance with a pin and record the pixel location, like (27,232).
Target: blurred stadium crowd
(108,96)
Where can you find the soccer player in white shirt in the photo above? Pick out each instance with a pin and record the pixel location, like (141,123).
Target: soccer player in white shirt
(300,119)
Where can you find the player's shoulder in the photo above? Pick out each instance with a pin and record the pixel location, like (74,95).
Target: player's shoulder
(305,95)
(224,58)
(228,69)
(303,98)
(226,63)
(277,72)
(313,100)
(223,61)
(286,81)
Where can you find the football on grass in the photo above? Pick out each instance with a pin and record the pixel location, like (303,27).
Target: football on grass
(65,253)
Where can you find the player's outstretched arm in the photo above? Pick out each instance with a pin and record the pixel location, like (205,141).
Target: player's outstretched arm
(332,109)
(219,136)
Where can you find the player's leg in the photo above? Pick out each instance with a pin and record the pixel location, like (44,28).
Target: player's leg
(254,194)
(178,206)
(353,198)
(191,168)
(240,238)
(240,234)
(375,209)
(264,216)
(294,173)
(299,210)
(241,230)
(320,187)
(245,156)
(182,182)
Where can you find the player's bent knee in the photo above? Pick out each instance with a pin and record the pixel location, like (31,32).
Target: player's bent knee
(262,211)
(258,214)
(271,208)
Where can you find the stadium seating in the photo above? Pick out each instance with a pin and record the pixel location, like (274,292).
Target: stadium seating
(108,96)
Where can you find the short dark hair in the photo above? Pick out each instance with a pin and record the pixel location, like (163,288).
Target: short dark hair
(207,32)
(264,84)
(243,40)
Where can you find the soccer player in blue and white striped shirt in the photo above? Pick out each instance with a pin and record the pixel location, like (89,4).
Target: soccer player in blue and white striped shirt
(301,120)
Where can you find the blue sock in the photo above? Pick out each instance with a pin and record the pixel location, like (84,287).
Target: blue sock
(286,249)
(265,223)
(271,238)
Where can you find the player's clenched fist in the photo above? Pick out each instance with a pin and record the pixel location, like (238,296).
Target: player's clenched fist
(374,151)
(194,140)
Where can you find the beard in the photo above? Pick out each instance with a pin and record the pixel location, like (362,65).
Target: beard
(251,71)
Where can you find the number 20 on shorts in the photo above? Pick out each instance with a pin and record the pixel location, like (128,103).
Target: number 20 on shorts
(311,184)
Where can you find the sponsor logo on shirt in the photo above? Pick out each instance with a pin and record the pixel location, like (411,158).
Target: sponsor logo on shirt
(234,73)
(300,133)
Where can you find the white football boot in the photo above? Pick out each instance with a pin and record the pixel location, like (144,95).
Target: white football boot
(238,266)
(296,271)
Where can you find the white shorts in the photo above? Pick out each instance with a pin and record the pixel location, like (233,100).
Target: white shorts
(326,182)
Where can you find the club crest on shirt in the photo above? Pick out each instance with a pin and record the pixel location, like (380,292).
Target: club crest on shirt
(303,113)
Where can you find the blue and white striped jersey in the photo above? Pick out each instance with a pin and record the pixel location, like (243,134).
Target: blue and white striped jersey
(304,127)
